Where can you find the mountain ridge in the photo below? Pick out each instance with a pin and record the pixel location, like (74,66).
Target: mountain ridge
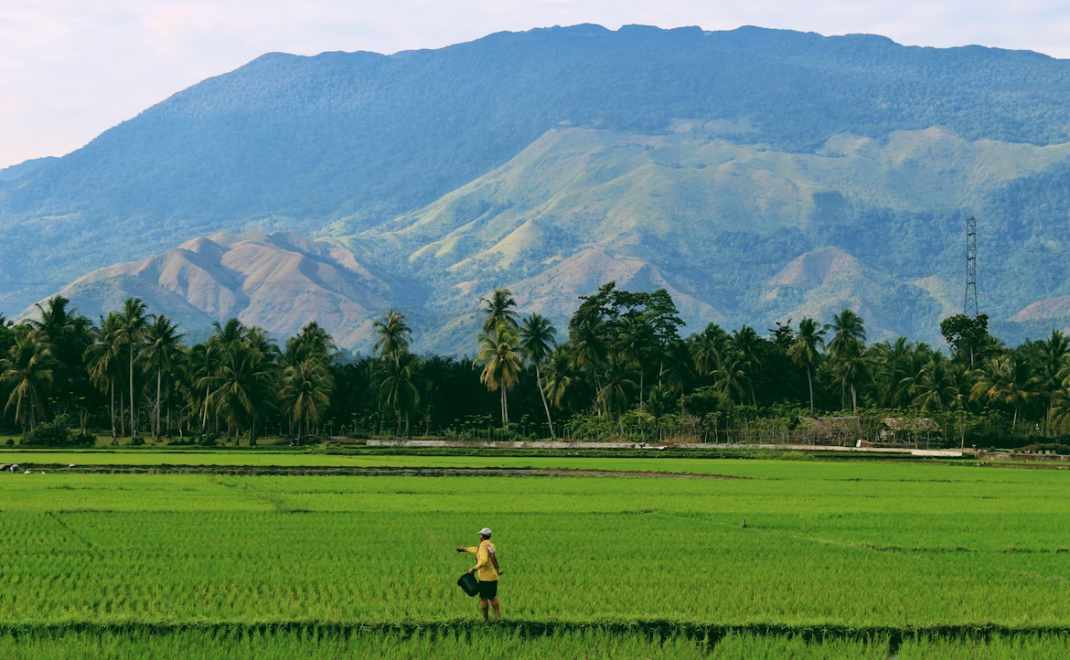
(729,155)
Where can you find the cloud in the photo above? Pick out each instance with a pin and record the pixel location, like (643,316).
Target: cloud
(70,69)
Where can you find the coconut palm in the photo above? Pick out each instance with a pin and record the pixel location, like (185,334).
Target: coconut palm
(635,342)
(1053,361)
(229,334)
(28,370)
(747,346)
(937,386)
(805,351)
(68,334)
(846,350)
(131,329)
(729,377)
(397,386)
(501,363)
(589,347)
(896,366)
(613,394)
(103,360)
(160,352)
(707,347)
(306,391)
(536,343)
(558,376)
(312,342)
(1060,408)
(243,387)
(499,309)
(393,336)
(1005,379)
(202,363)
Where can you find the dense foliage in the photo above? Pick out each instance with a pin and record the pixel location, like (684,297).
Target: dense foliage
(623,371)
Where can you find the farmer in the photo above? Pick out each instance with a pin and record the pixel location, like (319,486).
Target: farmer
(487,570)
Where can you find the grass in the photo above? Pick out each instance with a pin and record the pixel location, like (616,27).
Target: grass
(804,545)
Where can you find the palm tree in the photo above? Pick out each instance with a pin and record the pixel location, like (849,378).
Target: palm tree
(708,347)
(936,387)
(132,323)
(1060,411)
(1054,360)
(558,376)
(805,351)
(306,390)
(397,386)
(228,334)
(102,359)
(394,335)
(68,334)
(500,310)
(243,387)
(162,347)
(846,349)
(589,347)
(501,363)
(28,370)
(536,343)
(635,341)
(896,367)
(729,378)
(1005,379)
(202,363)
(748,344)
(613,394)
(312,342)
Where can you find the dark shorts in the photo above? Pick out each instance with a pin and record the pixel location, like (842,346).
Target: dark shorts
(488,590)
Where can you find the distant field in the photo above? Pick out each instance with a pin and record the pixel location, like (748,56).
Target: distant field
(817,556)
(295,458)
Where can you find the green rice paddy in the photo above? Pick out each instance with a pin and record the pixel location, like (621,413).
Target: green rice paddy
(783,559)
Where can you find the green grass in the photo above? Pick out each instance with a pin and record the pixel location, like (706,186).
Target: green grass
(801,545)
(1002,647)
(491,642)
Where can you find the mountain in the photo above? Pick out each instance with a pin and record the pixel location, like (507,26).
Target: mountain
(276,282)
(710,163)
(738,232)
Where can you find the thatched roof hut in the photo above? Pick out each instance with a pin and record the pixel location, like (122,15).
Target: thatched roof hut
(907,430)
(831,430)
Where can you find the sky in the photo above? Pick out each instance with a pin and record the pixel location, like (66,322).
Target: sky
(70,69)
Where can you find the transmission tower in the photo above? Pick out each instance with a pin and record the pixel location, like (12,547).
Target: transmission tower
(969,299)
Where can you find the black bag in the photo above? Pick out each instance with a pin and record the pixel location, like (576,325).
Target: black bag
(468,584)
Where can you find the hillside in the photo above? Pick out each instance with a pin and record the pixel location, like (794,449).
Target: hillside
(739,233)
(705,162)
(276,282)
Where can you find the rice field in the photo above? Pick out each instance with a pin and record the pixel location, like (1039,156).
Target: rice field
(783,559)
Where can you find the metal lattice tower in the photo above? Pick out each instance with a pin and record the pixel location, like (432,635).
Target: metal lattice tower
(969,299)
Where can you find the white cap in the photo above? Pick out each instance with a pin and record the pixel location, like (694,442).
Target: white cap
(485,531)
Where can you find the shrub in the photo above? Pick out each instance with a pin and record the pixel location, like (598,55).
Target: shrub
(57,433)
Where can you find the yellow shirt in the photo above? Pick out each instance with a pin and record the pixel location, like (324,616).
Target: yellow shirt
(485,570)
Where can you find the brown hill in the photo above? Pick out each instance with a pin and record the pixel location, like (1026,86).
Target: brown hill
(277,282)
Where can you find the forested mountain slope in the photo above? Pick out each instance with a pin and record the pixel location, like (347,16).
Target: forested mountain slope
(704,162)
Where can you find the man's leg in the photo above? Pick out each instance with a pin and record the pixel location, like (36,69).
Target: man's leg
(497,609)
(483,607)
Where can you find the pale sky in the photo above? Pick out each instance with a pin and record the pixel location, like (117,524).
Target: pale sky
(70,69)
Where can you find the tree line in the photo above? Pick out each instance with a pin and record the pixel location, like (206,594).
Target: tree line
(621,367)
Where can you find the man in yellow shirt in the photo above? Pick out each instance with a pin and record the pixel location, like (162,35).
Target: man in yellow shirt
(487,570)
